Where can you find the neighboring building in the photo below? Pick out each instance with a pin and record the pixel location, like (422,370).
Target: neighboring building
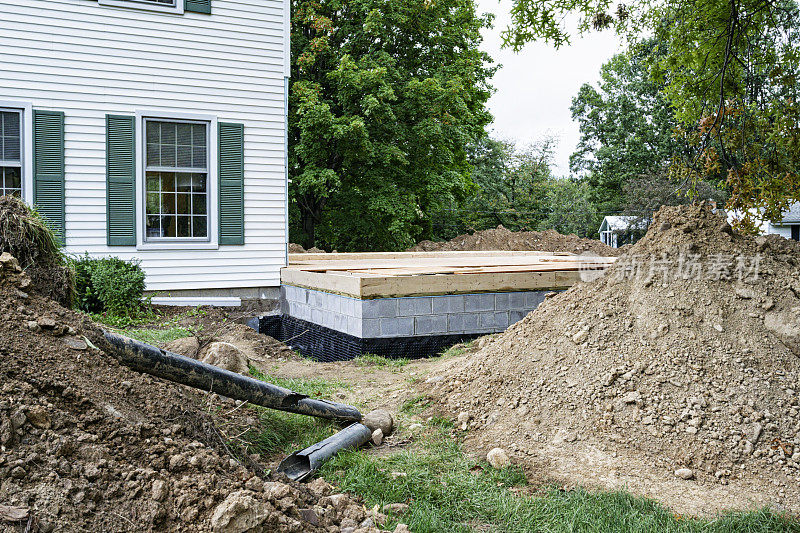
(788,227)
(618,230)
(155,130)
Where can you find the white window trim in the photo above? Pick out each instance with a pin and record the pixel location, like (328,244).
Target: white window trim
(26,138)
(177,8)
(213,184)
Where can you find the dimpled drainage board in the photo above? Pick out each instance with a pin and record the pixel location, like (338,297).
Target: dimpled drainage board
(412,304)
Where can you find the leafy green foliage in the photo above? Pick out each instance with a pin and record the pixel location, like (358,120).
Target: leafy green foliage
(384,98)
(730,71)
(109,285)
(628,142)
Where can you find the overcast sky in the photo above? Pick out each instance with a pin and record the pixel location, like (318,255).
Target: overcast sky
(535,87)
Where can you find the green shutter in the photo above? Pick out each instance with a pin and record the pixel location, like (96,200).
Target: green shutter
(48,168)
(120,180)
(197,6)
(231,183)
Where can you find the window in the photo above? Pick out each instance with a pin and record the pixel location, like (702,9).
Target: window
(796,232)
(10,152)
(166,6)
(176,180)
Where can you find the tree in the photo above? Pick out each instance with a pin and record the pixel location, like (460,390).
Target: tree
(627,127)
(628,143)
(511,184)
(730,71)
(385,96)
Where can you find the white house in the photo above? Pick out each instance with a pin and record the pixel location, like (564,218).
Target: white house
(156,130)
(617,230)
(788,226)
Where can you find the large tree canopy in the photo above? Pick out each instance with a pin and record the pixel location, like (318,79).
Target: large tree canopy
(729,71)
(385,96)
(628,143)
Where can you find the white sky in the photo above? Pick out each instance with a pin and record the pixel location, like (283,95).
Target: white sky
(535,86)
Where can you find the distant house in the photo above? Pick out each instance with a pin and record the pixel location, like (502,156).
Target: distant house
(789,225)
(155,130)
(618,230)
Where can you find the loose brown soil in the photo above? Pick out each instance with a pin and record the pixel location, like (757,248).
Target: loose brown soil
(500,238)
(632,381)
(88,445)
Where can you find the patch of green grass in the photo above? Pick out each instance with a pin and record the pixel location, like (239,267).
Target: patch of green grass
(450,492)
(369,359)
(159,337)
(414,405)
(283,433)
(315,387)
(458,349)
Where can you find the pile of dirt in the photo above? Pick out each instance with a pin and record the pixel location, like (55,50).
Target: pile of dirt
(295,248)
(24,235)
(675,375)
(500,238)
(89,445)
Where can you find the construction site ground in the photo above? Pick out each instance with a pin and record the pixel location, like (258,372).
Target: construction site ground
(400,387)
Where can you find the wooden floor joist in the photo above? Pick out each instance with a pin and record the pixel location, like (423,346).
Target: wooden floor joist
(397,274)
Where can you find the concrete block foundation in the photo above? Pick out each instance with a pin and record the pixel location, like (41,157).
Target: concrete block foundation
(328,326)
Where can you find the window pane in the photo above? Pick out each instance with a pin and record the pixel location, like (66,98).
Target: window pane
(10,181)
(183,226)
(153,181)
(168,203)
(168,181)
(153,202)
(199,226)
(198,182)
(10,135)
(199,204)
(154,226)
(168,226)
(199,156)
(168,155)
(183,182)
(184,204)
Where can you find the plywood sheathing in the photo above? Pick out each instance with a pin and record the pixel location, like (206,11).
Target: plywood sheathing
(376,275)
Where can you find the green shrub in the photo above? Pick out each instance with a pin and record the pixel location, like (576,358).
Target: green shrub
(109,285)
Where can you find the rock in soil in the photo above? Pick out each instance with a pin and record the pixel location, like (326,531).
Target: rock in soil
(498,458)
(379,419)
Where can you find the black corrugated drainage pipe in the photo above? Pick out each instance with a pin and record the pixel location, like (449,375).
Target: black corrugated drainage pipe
(301,465)
(148,359)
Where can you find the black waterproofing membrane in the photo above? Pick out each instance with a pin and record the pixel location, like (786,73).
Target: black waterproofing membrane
(326,345)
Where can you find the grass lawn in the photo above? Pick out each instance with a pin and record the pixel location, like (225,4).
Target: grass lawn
(450,492)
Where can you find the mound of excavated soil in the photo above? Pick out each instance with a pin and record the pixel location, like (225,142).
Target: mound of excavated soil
(500,238)
(88,445)
(682,361)
(25,236)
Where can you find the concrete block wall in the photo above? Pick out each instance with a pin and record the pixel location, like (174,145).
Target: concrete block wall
(413,316)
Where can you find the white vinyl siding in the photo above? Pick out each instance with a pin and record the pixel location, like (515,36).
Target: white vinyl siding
(89,60)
